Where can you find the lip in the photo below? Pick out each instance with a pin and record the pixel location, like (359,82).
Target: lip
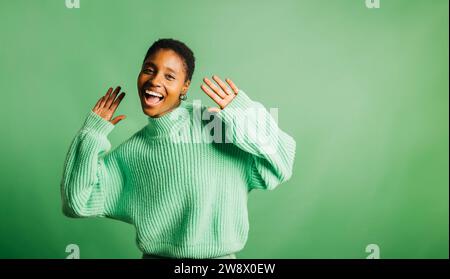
(146,101)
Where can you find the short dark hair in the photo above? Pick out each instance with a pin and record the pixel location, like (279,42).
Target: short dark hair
(180,48)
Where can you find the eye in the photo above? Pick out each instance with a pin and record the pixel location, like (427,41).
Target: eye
(148,71)
(170,77)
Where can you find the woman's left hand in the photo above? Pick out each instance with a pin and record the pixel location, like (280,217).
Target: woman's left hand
(221,95)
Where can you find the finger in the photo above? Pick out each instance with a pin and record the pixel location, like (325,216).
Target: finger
(117,119)
(98,103)
(212,95)
(232,85)
(105,97)
(108,92)
(111,98)
(222,85)
(215,88)
(117,102)
(213,109)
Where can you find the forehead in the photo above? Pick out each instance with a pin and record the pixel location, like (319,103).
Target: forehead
(165,59)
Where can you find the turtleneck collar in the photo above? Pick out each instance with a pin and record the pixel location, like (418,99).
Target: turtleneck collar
(169,122)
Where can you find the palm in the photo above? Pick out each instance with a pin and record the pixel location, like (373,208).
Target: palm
(107,105)
(222,95)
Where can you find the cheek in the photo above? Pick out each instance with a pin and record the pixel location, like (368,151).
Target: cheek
(174,87)
(141,80)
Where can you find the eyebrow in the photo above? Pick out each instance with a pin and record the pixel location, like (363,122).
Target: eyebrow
(153,65)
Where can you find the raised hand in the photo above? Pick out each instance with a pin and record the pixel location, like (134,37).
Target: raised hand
(107,105)
(221,95)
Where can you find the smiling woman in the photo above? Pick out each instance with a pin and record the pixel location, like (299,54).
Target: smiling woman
(165,188)
(165,76)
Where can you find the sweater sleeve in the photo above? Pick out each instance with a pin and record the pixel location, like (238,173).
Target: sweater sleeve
(91,180)
(250,126)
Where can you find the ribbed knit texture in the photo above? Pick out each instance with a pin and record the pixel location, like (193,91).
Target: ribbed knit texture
(187,198)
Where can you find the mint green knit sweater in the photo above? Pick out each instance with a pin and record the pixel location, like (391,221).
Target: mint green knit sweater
(184,191)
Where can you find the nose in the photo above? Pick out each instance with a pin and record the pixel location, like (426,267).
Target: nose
(155,81)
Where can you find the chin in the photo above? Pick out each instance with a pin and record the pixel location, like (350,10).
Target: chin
(151,112)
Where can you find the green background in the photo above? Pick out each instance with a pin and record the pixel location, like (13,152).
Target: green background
(363,91)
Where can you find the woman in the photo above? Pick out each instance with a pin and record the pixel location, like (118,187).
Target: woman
(186,198)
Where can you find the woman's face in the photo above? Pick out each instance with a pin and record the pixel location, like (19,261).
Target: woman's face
(161,81)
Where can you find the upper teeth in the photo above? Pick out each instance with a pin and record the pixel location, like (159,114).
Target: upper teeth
(153,93)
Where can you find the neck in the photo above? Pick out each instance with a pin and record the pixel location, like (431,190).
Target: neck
(168,122)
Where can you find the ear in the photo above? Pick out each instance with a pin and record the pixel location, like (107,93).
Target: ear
(186,86)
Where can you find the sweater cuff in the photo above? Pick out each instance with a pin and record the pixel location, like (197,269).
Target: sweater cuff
(236,107)
(97,124)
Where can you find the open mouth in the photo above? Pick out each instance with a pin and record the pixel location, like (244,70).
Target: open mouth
(152,98)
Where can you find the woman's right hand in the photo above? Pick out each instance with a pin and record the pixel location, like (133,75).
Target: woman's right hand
(107,105)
